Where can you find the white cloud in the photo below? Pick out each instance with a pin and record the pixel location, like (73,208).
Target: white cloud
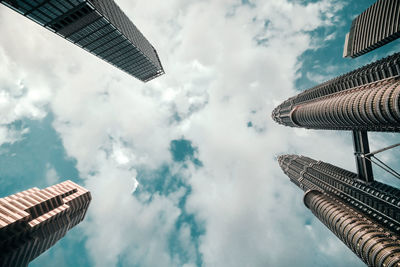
(51,175)
(218,78)
(20,97)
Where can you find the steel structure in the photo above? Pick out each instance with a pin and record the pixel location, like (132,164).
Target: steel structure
(366,99)
(370,241)
(364,216)
(98,26)
(363,213)
(375,27)
(380,201)
(34,220)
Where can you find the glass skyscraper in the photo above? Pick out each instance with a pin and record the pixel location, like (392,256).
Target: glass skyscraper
(98,26)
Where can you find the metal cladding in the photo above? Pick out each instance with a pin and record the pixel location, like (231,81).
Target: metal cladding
(365,99)
(375,27)
(374,244)
(34,220)
(379,201)
(373,107)
(98,26)
(364,216)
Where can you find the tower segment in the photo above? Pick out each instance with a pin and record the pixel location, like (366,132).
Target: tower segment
(98,26)
(33,220)
(364,216)
(366,99)
(375,27)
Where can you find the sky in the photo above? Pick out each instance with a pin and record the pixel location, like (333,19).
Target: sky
(182,169)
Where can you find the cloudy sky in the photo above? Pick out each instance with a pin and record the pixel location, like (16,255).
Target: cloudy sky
(182,169)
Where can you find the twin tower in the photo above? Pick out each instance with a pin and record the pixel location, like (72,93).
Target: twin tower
(363,213)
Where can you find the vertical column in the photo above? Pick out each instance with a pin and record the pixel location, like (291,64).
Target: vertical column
(361,147)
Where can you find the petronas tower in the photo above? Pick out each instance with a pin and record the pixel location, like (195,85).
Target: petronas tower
(363,213)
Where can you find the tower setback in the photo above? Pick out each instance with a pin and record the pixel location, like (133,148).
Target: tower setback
(33,220)
(378,200)
(363,216)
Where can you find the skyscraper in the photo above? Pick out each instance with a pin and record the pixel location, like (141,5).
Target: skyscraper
(375,27)
(367,98)
(98,26)
(364,216)
(378,200)
(363,213)
(33,220)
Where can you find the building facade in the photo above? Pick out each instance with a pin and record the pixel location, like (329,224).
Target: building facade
(366,99)
(363,213)
(380,201)
(33,220)
(370,241)
(364,216)
(375,27)
(98,26)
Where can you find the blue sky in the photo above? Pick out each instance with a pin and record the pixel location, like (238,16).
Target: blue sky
(182,169)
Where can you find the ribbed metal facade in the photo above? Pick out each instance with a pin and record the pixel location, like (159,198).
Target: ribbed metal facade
(375,27)
(372,242)
(34,220)
(363,213)
(364,99)
(364,216)
(98,26)
(378,200)
(373,107)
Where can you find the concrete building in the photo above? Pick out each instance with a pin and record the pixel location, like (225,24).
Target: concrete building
(375,27)
(33,220)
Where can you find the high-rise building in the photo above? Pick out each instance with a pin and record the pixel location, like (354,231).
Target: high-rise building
(378,200)
(364,216)
(367,99)
(98,26)
(34,220)
(363,213)
(375,27)
(370,241)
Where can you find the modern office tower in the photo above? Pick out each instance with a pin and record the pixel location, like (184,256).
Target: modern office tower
(364,216)
(375,27)
(34,220)
(98,26)
(366,99)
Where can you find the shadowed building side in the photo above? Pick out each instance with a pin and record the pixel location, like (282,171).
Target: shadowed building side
(34,220)
(375,27)
(98,26)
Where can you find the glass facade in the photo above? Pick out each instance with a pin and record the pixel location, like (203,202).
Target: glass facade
(98,26)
